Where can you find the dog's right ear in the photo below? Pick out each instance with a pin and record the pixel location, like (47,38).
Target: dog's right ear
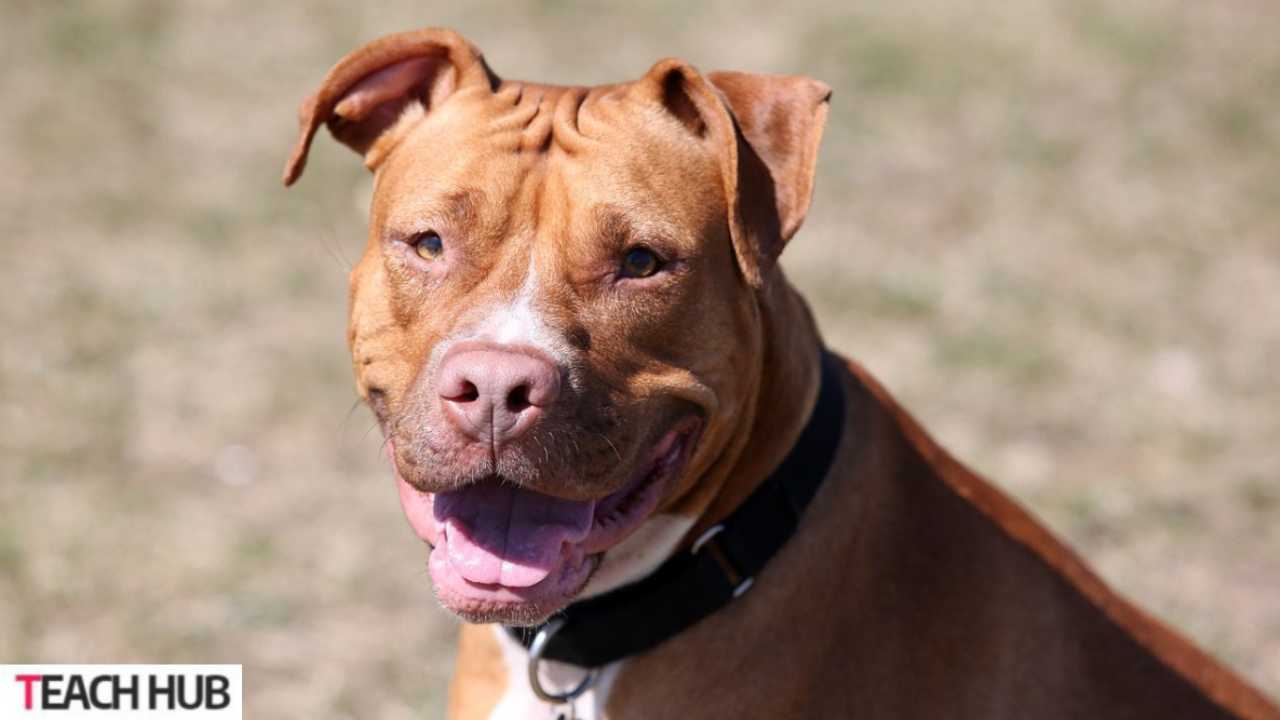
(366,92)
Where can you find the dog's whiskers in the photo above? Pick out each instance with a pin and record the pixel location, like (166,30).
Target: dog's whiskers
(333,248)
(611,446)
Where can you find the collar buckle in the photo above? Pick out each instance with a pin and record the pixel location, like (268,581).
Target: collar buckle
(536,651)
(739,581)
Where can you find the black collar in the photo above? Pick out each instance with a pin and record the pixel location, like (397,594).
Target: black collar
(720,566)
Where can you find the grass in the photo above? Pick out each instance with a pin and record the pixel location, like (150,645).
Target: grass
(1050,227)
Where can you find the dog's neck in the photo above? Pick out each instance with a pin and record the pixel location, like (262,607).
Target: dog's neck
(785,393)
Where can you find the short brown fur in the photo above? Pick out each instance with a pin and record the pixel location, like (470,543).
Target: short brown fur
(912,589)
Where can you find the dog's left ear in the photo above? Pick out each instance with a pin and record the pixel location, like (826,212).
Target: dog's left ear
(765,129)
(779,120)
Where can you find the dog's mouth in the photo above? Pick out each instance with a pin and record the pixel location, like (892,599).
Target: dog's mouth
(503,553)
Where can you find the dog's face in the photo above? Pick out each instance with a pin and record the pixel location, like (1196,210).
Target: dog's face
(555,319)
(537,367)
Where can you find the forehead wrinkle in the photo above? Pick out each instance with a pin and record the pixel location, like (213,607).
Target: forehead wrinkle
(545,116)
(536,136)
(565,126)
(603,107)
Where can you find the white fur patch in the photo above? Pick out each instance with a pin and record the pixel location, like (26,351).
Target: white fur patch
(516,322)
(519,322)
(639,555)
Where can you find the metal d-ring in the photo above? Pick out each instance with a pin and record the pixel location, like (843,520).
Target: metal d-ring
(536,649)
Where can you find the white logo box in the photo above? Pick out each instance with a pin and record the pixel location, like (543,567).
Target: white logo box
(102,692)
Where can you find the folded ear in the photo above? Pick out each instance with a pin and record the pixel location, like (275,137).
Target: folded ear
(781,117)
(765,129)
(365,93)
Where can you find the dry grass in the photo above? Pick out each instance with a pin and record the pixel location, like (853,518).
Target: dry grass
(1052,228)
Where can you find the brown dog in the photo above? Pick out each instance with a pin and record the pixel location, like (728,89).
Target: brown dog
(592,373)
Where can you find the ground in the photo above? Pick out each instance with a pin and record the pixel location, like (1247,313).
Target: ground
(1052,229)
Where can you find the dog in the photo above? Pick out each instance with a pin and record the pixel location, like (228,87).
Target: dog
(644,483)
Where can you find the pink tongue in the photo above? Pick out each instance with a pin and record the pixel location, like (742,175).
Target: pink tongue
(495,533)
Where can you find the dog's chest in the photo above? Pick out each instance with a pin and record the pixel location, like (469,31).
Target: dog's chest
(519,703)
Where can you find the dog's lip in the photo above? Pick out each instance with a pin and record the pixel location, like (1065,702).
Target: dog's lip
(613,518)
(620,512)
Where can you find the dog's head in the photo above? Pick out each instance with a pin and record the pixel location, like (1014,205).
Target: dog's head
(556,319)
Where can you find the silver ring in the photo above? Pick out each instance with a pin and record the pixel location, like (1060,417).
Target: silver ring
(536,649)
(711,532)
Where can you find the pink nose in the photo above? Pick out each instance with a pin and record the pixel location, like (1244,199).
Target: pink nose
(494,395)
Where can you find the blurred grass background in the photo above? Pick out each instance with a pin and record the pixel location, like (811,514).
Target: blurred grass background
(1052,228)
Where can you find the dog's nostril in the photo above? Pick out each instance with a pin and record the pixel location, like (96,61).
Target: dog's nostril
(518,398)
(469,393)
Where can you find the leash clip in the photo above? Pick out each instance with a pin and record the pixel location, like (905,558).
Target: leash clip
(536,649)
(737,580)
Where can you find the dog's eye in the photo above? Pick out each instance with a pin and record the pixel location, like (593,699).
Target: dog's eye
(640,262)
(428,245)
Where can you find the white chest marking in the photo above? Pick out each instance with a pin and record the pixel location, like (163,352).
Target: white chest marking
(640,554)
